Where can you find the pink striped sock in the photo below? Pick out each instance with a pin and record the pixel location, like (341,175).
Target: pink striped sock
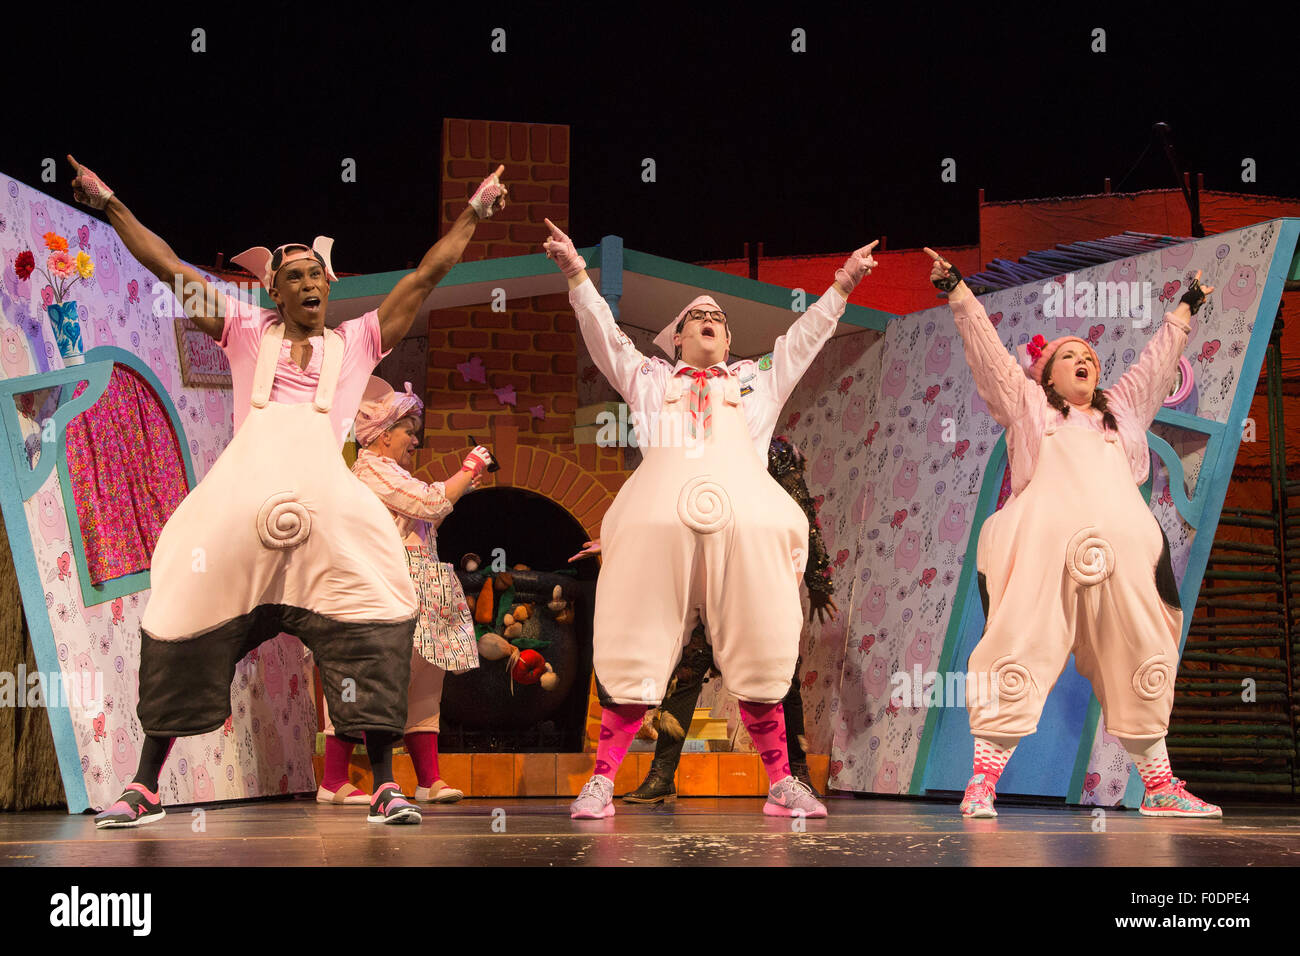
(337,755)
(766,726)
(1152,760)
(618,725)
(991,758)
(423,748)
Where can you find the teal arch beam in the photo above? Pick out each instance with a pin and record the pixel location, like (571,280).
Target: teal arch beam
(611,271)
(25,483)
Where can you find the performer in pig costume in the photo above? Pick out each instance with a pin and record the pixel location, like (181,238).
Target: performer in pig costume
(279,535)
(700,531)
(785,463)
(1074,561)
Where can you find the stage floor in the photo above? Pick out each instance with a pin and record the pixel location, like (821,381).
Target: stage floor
(693,831)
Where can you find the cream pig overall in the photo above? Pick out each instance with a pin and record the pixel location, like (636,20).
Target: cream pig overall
(700,531)
(279,535)
(1071,563)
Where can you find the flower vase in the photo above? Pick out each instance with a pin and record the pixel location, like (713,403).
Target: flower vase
(67,331)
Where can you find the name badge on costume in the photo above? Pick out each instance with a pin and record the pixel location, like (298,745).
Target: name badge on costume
(746,383)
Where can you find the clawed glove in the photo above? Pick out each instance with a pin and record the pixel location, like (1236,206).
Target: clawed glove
(949,280)
(1194,296)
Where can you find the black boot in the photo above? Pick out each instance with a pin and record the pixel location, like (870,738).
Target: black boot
(658,784)
(793,707)
(657,787)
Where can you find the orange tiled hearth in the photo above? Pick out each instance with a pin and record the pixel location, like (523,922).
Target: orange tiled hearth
(562,775)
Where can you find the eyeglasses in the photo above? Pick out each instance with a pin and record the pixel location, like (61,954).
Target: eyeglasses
(699,315)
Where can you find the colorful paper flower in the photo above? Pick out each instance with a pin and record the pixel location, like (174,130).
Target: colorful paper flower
(85,265)
(25,264)
(62,265)
(55,243)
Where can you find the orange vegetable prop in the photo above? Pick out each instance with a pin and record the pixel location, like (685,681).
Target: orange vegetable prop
(483,608)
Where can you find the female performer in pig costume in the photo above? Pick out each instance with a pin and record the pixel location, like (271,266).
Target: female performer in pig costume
(1074,561)
(700,531)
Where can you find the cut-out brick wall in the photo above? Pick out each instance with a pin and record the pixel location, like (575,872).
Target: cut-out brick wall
(532,345)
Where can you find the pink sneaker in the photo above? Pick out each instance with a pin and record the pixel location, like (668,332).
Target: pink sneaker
(390,806)
(1173,800)
(977,801)
(134,808)
(596,801)
(791,798)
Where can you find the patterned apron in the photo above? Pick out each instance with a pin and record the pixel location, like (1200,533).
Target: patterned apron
(444,633)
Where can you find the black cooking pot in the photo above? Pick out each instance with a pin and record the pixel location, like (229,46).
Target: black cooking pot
(484,698)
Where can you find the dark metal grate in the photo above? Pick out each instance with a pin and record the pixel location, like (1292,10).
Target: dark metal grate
(1066,257)
(1244,630)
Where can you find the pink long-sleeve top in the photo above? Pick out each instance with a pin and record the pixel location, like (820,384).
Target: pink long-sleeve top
(417,507)
(1020,405)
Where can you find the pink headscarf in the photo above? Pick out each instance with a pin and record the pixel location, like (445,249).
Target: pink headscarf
(382,408)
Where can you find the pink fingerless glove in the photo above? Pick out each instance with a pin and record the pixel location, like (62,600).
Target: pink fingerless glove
(477,461)
(559,247)
(856,267)
(488,192)
(90,190)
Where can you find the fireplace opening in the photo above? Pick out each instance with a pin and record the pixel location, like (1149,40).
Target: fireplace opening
(482,710)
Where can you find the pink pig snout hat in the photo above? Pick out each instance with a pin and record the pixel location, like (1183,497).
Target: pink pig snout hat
(1037,352)
(665,338)
(265,264)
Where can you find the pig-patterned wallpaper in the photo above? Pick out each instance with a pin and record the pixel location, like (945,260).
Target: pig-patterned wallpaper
(266,747)
(898,499)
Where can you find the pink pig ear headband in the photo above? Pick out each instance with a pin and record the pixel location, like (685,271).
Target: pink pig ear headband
(265,264)
(665,338)
(1037,352)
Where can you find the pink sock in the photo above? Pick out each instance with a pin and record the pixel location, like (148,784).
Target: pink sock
(337,755)
(766,726)
(618,725)
(991,758)
(423,748)
(1152,760)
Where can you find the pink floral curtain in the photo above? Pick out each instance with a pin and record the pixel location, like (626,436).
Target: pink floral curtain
(127,472)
